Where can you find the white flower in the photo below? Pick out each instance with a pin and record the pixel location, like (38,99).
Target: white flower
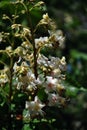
(58,63)
(63,62)
(41,41)
(46,19)
(19,85)
(38,81)
(14,26)
(27,45)
(62,65)
(31,75)
(35,107)
(42,60)
(53,99)
(30,87)
(54,61)
(56,72)
(9,50)
(57,37)
(50,84)
(26,31)
(45,16)
(20,51)
(3,78)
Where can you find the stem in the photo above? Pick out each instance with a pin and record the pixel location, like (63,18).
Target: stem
(11,59)
(34,49)
(32,37)
(11,74)
(35,62)
(10,93)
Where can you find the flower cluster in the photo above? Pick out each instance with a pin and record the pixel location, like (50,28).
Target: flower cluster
(32,70)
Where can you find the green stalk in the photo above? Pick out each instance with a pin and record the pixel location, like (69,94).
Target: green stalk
(33,41)
(10,84)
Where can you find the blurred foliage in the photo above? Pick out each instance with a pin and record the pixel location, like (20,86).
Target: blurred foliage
(71,17)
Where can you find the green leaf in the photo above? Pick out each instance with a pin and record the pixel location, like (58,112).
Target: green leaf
(71,91)
(75,54)
(41,94)
(4,3)
(26,127)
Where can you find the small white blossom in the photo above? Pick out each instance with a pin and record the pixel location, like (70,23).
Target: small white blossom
(55,72)
(53,99)
(34,107)
(19,85)
(9,50)
(20,51)
(62,65)
(39,42)
(57,37)
(42,60)
(26,32)
(14,26)
(50,84)
(3,78)
(46,18)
